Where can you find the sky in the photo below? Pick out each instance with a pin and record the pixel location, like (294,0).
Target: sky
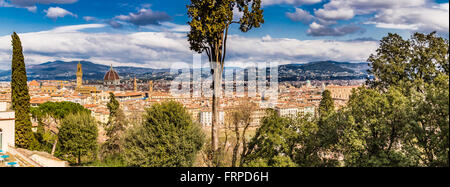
(152,33)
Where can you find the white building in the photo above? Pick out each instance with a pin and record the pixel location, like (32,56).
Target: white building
(287,110)
(206,117)
(295,110)
(7,127)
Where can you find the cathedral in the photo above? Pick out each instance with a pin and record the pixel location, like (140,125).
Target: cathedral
(111,78)
(111,82)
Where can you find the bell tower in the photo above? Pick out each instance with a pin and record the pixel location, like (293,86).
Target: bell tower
(135,84)
(79,75)
(150,88)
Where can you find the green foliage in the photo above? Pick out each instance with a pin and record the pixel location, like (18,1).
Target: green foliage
(326,105)
(78,138)
(277,161)
(113,105)
(49,115)
(109,161)
(402,119)
(428,138)
(419,69)
(20,98)
(290,142)
(373,128)
(272,139)
(210,21)
(115,129)
(167,138)
(57,110)
(398,61)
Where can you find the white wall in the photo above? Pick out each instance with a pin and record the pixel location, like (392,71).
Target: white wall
(7,126)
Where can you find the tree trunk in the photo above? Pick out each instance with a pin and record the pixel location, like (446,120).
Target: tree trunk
(236,147)
(54,146)
(215,126)
(244,145)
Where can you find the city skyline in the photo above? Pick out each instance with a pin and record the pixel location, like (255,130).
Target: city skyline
(224,83)
(153,33)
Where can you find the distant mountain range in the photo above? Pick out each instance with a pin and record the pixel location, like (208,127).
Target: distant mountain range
(60,70)
(323,70)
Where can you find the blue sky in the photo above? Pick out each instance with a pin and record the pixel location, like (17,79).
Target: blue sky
(151,33)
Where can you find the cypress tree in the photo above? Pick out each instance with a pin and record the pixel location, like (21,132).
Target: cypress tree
(20,97)
(326,104)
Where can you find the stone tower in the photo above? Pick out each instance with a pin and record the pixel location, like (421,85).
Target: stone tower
(79,75)
(150,88)
(135,84)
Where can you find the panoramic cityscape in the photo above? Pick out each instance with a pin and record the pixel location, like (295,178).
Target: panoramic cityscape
(224,83)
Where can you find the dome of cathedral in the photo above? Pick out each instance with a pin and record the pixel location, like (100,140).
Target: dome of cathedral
(111,75)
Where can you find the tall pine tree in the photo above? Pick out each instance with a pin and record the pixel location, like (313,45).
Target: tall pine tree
(20,98)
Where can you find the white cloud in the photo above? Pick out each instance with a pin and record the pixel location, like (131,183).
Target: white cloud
(425,19)
(293,50)
(369,6)
(145,48)
(161,49)
(336,14)
(144,16)
(57,12)
(75,28)
(316,29)
(300,15)
(413,15)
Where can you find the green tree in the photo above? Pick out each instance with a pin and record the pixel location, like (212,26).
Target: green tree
(290,142)
(58,110)
(326,105)
(373,128)
(49,116)
(115,129)
(400,62)
(419,68)
(428,141)
(20,97)
(277,161)
(210,21)
(274,140)
(113,105)
(167,138)
(78,136)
